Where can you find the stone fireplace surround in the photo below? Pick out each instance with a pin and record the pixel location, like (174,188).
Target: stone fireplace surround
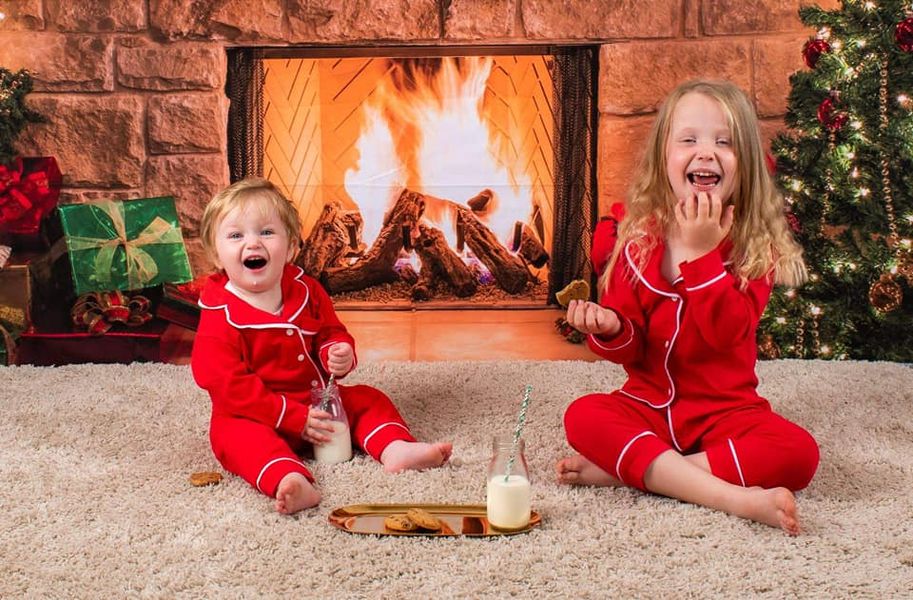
(133,90)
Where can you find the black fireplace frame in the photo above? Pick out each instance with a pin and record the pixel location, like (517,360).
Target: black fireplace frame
(574,111)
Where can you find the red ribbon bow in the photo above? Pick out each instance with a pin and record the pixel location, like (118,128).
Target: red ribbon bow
(26,192)
(99,311)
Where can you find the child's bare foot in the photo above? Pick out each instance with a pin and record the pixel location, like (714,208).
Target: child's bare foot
(401,455)
(295,493)
(577,470)
(775,507)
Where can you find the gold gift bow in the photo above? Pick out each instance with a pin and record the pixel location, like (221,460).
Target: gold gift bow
(141,268)
(97,312)
(13,316)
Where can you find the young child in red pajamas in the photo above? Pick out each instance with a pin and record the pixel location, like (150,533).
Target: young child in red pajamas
(266,332)
(684,280)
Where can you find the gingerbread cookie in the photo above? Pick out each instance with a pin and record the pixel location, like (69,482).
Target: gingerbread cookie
(202,478)
(424,519)
(399,523)
(575,290)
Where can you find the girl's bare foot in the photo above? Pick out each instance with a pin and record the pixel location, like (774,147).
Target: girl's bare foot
(775,507)
(295,493)
(401,455)
(577,470)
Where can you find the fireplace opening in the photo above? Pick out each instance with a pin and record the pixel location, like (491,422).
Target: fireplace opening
(425,177)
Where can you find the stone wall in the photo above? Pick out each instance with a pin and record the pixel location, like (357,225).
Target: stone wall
(133,89)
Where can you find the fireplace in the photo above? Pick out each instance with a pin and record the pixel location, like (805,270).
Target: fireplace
(426,178)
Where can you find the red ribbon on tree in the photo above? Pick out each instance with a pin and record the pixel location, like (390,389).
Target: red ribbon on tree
(97,312)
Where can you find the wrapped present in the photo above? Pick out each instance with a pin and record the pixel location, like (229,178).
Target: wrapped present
(53,297)
(29,191)
(179,303)
(126,245)
(131,344)
(16,290)
(9,336)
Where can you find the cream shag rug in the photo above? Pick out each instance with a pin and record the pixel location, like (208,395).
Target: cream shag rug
(94,463)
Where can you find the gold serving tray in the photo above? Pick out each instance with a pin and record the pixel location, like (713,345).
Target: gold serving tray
(456,519)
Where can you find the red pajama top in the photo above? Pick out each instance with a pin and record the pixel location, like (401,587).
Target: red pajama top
(691,340)
(253,363)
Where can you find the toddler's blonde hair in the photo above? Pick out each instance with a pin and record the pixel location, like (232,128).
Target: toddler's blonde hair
(762,243)
(240,194)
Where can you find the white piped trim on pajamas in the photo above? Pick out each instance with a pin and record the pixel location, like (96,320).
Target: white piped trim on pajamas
(282,413)
(625,449)
(706,283)
(671,430)
(364,443)
(271,463)
(735,458)
(619,346)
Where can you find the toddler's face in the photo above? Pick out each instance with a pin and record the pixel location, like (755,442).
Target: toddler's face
(699,152)
(252,246)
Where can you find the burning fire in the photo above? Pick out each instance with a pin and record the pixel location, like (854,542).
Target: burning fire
(426,128)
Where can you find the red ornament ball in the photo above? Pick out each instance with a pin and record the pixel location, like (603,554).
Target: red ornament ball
(812,51)
(903,34)
(830,117)
(771,162)
(793,222)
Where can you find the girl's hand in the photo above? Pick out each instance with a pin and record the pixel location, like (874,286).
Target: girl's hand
(319,424)
(703,222)
(339,358)
(589,317)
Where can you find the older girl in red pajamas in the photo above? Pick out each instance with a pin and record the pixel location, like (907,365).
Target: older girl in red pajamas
(266,332)
(685,278)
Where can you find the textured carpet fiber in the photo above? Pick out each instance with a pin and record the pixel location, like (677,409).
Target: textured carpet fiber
(95,500)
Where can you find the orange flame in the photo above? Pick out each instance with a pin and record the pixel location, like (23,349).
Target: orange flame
(426,128)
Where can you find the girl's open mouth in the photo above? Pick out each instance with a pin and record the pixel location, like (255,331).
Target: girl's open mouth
(255,262)
(704,179)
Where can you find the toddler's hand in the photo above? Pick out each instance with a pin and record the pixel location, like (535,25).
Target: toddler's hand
(319,424)
(589,317)
(339,358)
(703,222)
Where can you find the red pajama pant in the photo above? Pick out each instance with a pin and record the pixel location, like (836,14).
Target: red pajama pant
(747,446)
(262,456)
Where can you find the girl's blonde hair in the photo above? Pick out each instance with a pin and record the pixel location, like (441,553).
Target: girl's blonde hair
(762,243)
(243,193)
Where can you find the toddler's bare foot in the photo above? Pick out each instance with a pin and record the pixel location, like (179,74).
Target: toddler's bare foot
(295,493)
(775,507)
(577,470)
(402,455)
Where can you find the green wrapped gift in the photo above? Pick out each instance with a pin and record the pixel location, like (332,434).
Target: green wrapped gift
(125,245)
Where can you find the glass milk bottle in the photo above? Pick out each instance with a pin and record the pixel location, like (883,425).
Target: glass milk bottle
(508,497)
(339,448)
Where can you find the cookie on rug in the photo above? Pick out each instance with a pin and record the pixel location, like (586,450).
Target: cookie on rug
(202,478)
(575,290)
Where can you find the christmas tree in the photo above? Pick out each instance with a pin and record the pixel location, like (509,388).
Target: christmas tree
(846,169)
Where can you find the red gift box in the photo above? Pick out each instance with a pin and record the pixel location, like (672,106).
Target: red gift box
(179,303)
(29,190)
(132,344)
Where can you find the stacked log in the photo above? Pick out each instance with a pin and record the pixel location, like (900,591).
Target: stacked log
(375,267)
